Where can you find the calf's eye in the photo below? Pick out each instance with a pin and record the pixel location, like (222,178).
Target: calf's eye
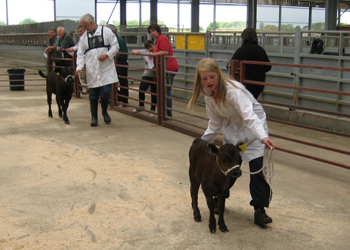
(224,159)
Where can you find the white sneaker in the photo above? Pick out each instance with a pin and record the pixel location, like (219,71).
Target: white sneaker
(137,110)
(152,115)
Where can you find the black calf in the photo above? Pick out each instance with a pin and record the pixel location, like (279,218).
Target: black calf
(62,86)
(213,168)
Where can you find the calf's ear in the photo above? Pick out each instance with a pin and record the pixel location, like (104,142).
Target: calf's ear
(241,146)
(212,148)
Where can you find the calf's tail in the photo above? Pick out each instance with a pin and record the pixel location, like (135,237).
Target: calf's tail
(42,74)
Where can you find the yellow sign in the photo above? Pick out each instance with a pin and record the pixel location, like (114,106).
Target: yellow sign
(193,42)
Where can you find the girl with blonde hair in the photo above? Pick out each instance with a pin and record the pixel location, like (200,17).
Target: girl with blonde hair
(231,107)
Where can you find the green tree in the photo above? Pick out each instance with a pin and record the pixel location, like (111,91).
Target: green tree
(287,27)
(262,25)
(116,24)
(318,26)
(27,21)
(211,26)
(103,22)
(2,23)
(270,28)
(132,23)
(148,22)
(234,24)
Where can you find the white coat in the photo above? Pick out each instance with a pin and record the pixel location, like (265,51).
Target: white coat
(98,73)
(242,119)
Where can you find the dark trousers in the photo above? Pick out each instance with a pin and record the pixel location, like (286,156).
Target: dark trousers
(144,86)
(260,190)
(169,102)
(122,71)
(103,91)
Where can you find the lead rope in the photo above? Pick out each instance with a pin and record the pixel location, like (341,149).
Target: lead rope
(87,84)
(267,168)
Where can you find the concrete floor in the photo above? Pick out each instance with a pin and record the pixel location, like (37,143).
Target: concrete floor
(125,186)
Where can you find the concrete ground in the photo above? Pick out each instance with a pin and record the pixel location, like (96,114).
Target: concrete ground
(125,186)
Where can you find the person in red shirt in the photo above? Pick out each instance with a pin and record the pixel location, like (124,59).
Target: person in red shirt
(163,47)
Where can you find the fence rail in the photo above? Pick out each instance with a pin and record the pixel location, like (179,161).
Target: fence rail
(195,124)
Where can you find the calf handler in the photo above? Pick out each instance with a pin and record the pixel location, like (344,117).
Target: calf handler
(232,107)
(97,48)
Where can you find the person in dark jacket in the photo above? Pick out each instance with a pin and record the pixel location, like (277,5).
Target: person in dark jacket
(121,71)
(252,51)
(65,42)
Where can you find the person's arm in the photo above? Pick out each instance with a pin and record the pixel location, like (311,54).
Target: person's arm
(163,45)
(215,123)
(49,48)
(244,106)
(83,46)
(67,42)
(268,142)
(136,51)
(159,53)
(111,39)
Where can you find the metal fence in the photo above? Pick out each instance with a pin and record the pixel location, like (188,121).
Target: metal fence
(310,86)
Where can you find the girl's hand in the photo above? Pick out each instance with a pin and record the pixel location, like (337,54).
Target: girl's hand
(268,142)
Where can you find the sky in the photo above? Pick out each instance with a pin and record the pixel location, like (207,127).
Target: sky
(43,11)
(21,9)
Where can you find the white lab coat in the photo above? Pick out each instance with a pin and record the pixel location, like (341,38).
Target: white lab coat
(98,73)
(243,119)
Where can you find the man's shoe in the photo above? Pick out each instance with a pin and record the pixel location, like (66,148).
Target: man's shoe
(93,122)
(139,109)
(261,218)
(104,105)
(152,115)
(93,109)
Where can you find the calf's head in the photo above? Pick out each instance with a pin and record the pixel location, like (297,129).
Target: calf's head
(228,158)
(67,74)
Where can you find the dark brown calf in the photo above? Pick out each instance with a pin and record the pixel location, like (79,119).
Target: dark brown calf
(62,86)
(213,168)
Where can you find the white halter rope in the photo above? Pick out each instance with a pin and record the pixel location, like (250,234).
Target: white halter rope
(267,168)
(229,170)
(65,79)
(85,84)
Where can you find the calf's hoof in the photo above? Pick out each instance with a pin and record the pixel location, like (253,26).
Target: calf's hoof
(197,219)
(223,228)
(212,229)
(93,122)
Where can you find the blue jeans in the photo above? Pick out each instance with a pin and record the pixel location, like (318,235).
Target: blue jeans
(169,102)
(103,91)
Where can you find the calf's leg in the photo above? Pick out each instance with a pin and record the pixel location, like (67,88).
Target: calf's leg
(221,221)
(49,101)
(211,205)
(194,195)
(59,104)
(64,109)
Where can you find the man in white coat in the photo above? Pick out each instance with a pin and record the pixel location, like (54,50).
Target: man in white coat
(97,48)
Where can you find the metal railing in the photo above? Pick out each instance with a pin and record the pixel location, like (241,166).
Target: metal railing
(194,124)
